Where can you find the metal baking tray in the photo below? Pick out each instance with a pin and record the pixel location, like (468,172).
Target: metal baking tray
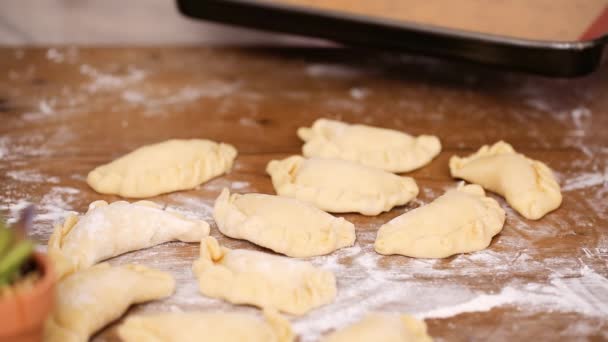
(549,58)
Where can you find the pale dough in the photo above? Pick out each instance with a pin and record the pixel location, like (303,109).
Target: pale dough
(285,225)
(383,148)
(88,300)
(108,230)
(340,186)
(528,185)
(264,280)
(382,327)
(208,327)
(164,167)
(460,221)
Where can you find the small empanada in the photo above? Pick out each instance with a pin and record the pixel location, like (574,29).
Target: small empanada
(285,225)
(206,326)
(108,230)
(264,280)
(382,327)
(383,148)
(164,167)
(528,185)
(340,186)
(88,300)
(462,220)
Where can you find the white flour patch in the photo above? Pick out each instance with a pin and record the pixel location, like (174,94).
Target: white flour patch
(587,294)
(106,81)
(586,180)
(191,207)
(23,146)
(57,204)
(359,93)
(55,55)
(219,184)
(133,96)
(31,176)
(53,208)
(239,185)
(157,103)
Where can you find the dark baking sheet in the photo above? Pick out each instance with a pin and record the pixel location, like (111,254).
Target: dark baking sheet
(550,58)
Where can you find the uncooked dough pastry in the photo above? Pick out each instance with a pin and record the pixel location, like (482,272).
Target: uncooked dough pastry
(285,225)
(264,280)
(462,220)
(208,327)
(383,148)
(382,327)
(528,185)
(164,167)
(88,300)
(340,186)
(108,230)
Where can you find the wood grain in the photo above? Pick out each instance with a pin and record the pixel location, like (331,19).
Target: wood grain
(60,119)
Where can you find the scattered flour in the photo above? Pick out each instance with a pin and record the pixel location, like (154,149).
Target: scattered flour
(587,294)
(106,81)
(358,93)
(220,183)
(53,208)
(31,176)
(190,206)
(586,180)
(157,102)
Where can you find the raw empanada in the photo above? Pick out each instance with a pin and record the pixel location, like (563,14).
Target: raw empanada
(383,148)
(340,186)
(382,327)
(285,225)
(208,327)
(164,167)
(108,230)
(460,221)
(88,300)
(264,280)
(528,185)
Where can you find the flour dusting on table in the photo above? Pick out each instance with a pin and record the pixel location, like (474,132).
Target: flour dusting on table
(530,278)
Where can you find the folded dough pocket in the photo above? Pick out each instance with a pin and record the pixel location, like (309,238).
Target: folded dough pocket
(383,148)
(90,299)
(206,326)
(108,230)
(164,167)
(528,185)
(285,225)
(462,220)
(382,327)
(340,186)
(263,280)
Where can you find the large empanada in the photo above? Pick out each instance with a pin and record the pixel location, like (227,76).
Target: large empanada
(383,148)
(340,186)
(88,300)
(163,167)
(285,225)
(108,230)
(528,185)
(206,326)
(460,221)
(382,327)
(264,280)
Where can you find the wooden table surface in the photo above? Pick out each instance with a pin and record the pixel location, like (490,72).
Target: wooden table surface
(64,111)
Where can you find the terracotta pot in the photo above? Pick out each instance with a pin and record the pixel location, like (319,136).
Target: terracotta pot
(24,313)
